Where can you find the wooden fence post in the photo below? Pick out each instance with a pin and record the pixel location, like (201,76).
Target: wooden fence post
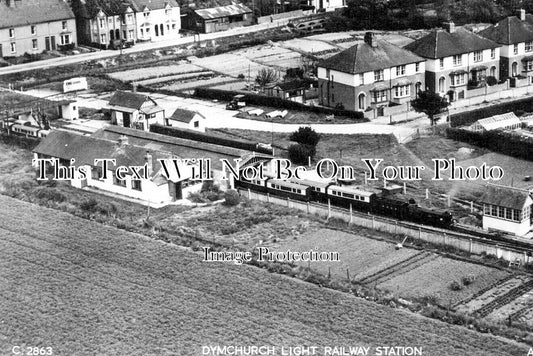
(268,197)
(351,214)
(427,193)
(249,194)
(471,247)
(373,222)
(471,206)
(420,233)
(329,208)
(348,274)
(288,202)
(308,208)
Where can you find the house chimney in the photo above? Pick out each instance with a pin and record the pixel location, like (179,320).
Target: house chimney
(522,14)
(449,27)
(149,160)
(370,39)
(122,140)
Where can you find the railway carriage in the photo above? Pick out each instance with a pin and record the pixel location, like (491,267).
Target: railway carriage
(342,196)
(288,189)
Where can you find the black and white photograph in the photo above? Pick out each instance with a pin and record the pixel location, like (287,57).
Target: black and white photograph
(266,177)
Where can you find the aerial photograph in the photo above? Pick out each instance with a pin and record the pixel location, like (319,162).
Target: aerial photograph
(266,177)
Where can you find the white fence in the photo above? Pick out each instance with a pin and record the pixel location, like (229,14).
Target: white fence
(434,235)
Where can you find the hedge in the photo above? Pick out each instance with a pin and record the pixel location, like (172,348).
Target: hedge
(256,99)
(209,138)
(511,144)
(469,117)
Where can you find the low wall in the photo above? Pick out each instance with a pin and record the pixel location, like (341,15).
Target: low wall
(283,16)
(437,237)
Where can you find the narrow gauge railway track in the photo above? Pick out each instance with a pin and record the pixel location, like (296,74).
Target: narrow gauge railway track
(521,246)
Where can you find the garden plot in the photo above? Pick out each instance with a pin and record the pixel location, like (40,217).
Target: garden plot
(308,45)
(230,64)
(177,77)
(361,255)
(434,278)
(497,292)
(335,37)
(396,39)
(518,309)
(273,56)
(154,72)
(189,85)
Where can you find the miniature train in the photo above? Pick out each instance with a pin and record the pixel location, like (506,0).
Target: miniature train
(358,198)
(16,127)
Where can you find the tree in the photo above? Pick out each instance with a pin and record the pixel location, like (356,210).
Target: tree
(429,103)
(299,153)
(266,76)
(305,136)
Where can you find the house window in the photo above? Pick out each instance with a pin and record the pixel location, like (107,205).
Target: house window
(493,53)
(34,43)
(458,79)
(457,60)
(493,71)
(478,56)
(101,23)
(378,75)
(529,46)
(379,96)
(13,46)
(168,12)
(120,182)
(146,14)
(196,124)
(11,32)
(136,184)
(130,18)
(173,26)
(64,25)
(402,91)
(529,66)
(442,85)
(515,49)
(361,79)
(65,39)
(417,67)
(103,38)
(33,30)
(400,70)
(130,34)
(514,69)
(441,63)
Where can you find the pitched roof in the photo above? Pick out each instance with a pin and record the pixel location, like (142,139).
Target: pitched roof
(154,4)
(499,121)
(507,197)
(28,12)
(292,85)
(223,11)
(183,115)
(441,43)
(363,58)
(128,99)
(509,31)
(179,147)
(85,149)
(88,9)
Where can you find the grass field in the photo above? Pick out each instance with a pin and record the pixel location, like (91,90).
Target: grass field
(84,289)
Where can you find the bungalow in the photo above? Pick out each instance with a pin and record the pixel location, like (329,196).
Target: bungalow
(507,209)
(135,110)
(515,36)
(29,26)
(293,90)
(186,119)
(219,18)
(456,58)
(372,74)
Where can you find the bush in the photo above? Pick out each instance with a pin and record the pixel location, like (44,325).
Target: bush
(456,286)
(300,154)
(467,280)
(49,194)
(209,186)
(196,197)
(231,197)
(491,81)
(305,136)
(89,206)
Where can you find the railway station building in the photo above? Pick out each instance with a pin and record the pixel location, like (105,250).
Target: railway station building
(507,209)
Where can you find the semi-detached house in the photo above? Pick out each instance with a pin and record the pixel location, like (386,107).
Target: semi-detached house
(373,74)
(456,59)
(34,26)
(515,36)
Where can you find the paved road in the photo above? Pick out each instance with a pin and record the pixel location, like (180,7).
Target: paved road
(61,61)
(218,117)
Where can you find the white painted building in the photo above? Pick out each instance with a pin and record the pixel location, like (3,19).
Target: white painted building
(157,20)
(135,110)
(507,209)
(186,119)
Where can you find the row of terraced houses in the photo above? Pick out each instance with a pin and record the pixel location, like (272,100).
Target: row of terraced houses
(454,62)
(34,26)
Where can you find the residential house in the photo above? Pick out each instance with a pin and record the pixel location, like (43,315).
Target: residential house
(186,119)
(218,18)
(515,36)
(373,74)
(135,110)
(326,5)
(507,209)
(456,57)
(34,26)
(105,23)
(157,19)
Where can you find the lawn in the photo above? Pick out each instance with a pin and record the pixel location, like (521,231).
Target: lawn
(84,289)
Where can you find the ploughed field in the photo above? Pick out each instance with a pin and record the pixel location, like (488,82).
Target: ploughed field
(83,288)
